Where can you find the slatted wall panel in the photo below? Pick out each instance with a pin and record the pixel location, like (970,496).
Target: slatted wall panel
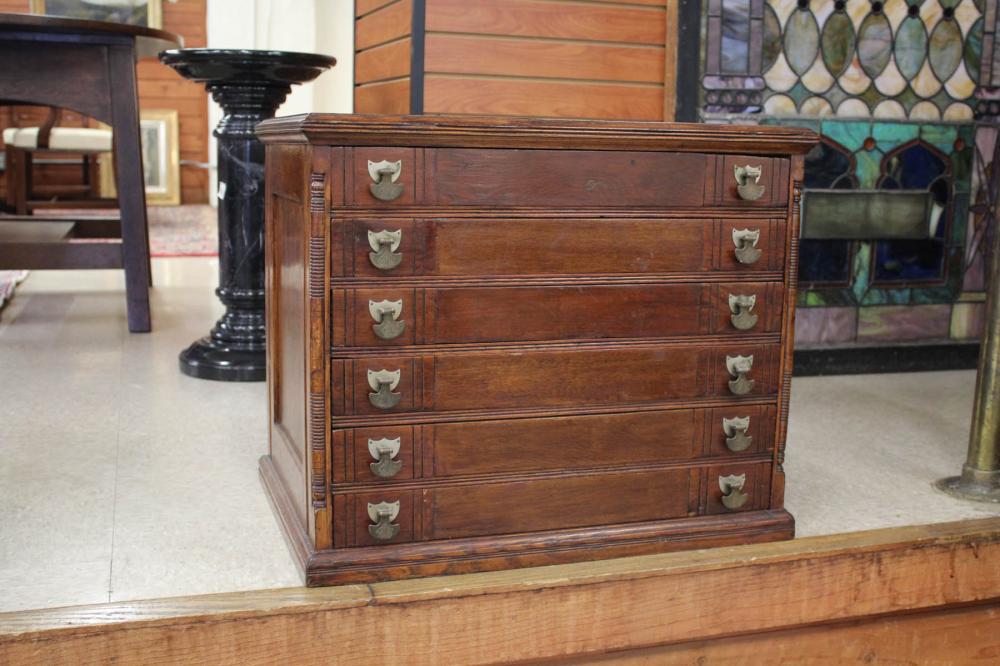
(383,44)
(159,88)
(563,58)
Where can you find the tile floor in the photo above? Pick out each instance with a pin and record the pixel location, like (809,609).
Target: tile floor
(122,479)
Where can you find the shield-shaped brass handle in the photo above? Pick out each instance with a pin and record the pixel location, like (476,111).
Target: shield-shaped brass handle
(382,515)
(384,175)
(384,245)
(386,313)
(384,451)
(383,382)
(736,430)
(745,241)
(748,182)
(733,496)
(739,367)
(740,306)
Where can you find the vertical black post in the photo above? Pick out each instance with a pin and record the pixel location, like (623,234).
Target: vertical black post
(688,59)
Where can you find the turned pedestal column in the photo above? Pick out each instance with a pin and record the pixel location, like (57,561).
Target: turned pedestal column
(249,86)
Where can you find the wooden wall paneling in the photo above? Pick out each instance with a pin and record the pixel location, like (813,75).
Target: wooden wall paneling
(909,592)
(384,25)
(385,43)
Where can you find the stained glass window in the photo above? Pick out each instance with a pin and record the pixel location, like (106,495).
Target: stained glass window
(827,166)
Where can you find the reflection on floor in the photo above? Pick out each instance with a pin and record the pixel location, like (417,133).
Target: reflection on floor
(122,479)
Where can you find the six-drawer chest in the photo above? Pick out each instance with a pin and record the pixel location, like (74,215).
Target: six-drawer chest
(496,343)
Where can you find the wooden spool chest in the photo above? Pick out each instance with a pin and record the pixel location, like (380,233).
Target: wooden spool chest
(497,343)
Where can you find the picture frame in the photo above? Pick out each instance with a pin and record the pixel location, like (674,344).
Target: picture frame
(158,131)
(145,13)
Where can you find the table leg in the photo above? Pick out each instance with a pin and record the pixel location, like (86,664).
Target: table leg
(131,187)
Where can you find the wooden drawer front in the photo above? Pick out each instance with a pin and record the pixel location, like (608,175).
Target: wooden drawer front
(559,178)
(505,446)
(450,512)
(499,247)
(534,378)
(518,314)
(755,480)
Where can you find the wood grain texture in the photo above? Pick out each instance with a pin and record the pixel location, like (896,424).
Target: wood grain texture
(518,97)
(541,18)
(383,97)
(571,611)
(465,54)
(385,24)
(389,61)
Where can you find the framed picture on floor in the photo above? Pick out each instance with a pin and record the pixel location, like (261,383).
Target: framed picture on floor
(160,159)
(147,13)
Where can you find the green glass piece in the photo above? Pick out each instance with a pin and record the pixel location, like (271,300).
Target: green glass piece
(772,38)
(945,49)
(838,43)
(908,99)
(980,4)
(799,93)
(941,137)
(973,49)
(911,46)
(946,4)
(890,135)
(930,295)
(808,123)
(874,44)
(862,261)
(961,170)
(868,166)
(835,95)
(887,297)
(959,220)
(801,41)
(851,134)
(851,214)
(871,97)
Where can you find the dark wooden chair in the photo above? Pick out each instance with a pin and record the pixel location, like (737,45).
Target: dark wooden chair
(22,144)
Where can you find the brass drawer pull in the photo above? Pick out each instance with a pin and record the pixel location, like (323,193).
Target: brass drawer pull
(741,307)
(384,451)
(748,182)
(382,515)
(384,245)
(745,241)
(384,175)
(386,313)
(739,367)
(383,382)
(733,496)
(736,430)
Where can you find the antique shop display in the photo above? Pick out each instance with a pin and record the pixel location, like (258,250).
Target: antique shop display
(497,343)
(249,86)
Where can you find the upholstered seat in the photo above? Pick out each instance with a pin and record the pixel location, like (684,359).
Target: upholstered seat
(72,139)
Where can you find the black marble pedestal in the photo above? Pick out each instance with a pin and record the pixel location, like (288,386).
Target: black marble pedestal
(249,86)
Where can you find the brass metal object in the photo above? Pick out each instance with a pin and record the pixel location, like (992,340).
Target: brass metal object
(384,451)
(980,478)
(384,175)
(382,515)
(745,241)
(869,214)
(748,182)
(383,382)
(384,245)
(387,313)
(736,430)
(733,496)
(739,367)
(740,306)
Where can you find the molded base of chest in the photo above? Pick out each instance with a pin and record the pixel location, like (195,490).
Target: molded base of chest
(492,553)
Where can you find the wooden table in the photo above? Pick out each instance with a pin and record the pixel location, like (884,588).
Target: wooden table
(89,67)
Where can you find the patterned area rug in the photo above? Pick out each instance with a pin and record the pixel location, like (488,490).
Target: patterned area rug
(183,231)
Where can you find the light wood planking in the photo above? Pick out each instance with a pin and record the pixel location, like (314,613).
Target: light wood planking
(520,97)
(545,18)
(384,25)
(961,636)
(458,54)
(390,97)
(362,7)
(562,611)
(670,61)
(389,61)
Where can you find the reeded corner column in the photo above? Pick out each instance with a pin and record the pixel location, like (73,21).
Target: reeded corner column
(980,478)
(249,86)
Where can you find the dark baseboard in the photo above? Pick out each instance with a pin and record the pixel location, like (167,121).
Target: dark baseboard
(901,358)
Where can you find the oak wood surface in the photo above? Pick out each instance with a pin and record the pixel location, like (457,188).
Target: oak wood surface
(896,595)
(385,24)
